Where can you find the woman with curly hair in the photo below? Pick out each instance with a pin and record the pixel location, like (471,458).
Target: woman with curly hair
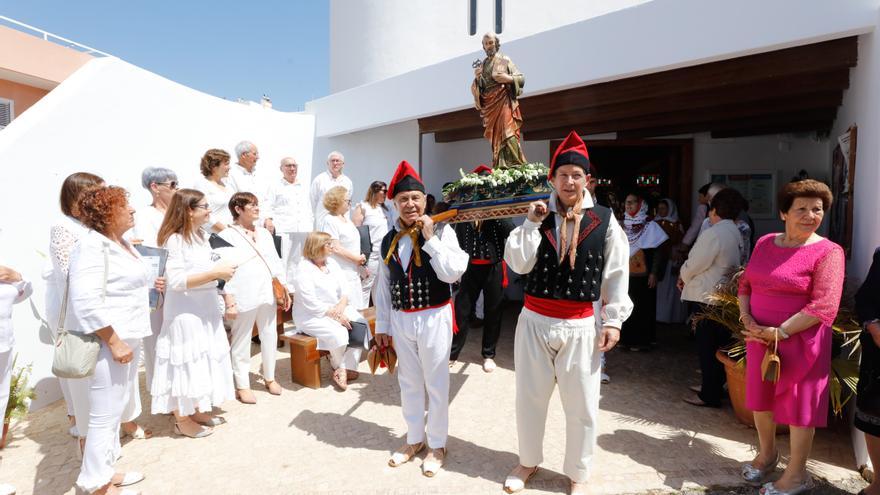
(109,295)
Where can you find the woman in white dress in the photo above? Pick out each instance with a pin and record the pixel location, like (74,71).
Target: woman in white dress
(321,307)
(346,244)
(373,213)
(251,287)
(215,167)
(109,295)
(192,368)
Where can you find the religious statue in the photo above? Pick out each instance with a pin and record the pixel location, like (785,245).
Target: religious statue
(496,87)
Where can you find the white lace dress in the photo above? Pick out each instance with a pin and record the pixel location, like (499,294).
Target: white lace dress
(192,368)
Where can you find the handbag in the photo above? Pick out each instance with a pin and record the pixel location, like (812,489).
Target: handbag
(771,365)
(637,264)
(76,353)
(279,291)
(357,336)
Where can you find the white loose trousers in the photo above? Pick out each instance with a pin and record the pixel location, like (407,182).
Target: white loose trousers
(422,340)
(264,316)
(110,389)
(550,351)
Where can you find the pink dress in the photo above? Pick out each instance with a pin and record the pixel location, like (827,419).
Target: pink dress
(782,282)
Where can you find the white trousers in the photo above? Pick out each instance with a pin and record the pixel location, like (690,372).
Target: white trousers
(422,341)
(5,378)
(550,351)
(346,357)
(110,389)
(367,283)
(264,316)
(157,316)
(291,253)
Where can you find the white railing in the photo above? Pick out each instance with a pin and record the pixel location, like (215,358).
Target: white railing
(53,38)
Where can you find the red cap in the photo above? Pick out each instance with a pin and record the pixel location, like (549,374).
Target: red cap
(405,179)
(483,168)
(572,151)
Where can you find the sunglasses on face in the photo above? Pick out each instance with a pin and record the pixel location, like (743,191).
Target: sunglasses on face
(172,184)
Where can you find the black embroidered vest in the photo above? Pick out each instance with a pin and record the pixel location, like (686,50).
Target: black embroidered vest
(413,287)
(487,243)
(551,280)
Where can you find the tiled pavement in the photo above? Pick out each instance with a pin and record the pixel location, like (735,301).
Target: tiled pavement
(323,441)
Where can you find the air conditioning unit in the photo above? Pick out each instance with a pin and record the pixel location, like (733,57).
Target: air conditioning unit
(7,112)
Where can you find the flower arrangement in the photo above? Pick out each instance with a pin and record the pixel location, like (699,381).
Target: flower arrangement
(520,180)
(724,309)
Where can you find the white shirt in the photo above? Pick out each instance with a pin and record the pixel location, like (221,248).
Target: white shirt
(185,259)
(218,201)
(376,218)
(147,222)
(344,231)
(289,206)
(521,254)
(745,233)
(252,283)
(109,287)
(10,293)
(322,183)
(716,251)
(64,236)
(448,260)
(240,180)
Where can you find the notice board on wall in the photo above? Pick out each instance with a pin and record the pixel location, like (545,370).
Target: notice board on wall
(757,186)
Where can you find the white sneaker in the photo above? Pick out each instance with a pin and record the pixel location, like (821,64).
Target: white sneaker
(489,365)
(605,378)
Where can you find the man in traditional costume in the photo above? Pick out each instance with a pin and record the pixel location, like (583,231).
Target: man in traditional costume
(571,253)
(496,87)
(414,314)
(483,240)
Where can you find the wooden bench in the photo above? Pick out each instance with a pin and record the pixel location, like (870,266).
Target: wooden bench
(305,358)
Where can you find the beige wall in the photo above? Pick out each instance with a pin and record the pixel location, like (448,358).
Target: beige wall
(33,61)
(23,96)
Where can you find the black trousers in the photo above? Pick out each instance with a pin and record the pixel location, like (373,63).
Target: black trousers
(711,336)
(639,330)
(485,278)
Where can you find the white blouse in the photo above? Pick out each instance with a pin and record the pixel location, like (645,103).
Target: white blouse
(376,218)
(218,201)
(64,236)
(10,293)
(185,259)
(344,231)
(109,287)
(147,221)
(252,283)
(316,291)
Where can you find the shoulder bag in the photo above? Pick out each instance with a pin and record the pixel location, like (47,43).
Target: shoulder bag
(279,291)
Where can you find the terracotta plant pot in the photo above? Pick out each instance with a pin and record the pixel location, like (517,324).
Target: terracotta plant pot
(736,388)
(5,434)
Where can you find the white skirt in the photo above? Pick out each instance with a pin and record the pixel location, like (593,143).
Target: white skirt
(192,369)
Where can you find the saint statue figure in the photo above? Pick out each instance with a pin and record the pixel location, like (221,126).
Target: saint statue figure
(496,87)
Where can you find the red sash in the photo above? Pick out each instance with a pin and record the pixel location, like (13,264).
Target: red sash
(558,308)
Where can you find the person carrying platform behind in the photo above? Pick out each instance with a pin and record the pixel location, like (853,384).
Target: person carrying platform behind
(572,253)
(413,307)
(483,240)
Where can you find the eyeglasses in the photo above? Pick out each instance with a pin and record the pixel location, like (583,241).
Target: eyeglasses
(172,184)
(348,200)
(205,206)
(290,165)
(382,190)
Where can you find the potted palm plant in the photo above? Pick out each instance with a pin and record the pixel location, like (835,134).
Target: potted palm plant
(20,396)
(724,309)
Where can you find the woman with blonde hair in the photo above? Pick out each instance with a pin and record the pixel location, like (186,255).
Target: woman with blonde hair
(346,244)
(373,213)
(321,308)
(192,368)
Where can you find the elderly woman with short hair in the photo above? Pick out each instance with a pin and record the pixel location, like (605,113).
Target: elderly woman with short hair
(109,294)
(251,288)
(789,297)
(321,308)
(346,243)
(715,254)
(214,167)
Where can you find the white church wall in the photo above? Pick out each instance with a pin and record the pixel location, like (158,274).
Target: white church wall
(861,106)
(114,119)
(371,40)
(678,33)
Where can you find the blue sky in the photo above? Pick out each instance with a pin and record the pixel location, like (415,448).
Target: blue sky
(224,48)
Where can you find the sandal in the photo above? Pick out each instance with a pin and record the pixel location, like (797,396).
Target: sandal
(127,478)
(340,379)
(201,433)
(515,481)
(352,375)
(138,434)
(434,461)
(405,454)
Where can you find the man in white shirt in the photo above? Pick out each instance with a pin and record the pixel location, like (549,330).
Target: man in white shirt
(287,202)
(326,180)
(243,178)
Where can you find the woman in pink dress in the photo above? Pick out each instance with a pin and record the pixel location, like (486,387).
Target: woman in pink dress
(791,291)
